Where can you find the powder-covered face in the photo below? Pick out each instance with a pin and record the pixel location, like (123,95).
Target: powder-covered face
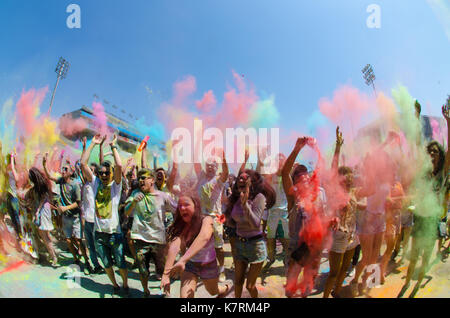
(242,181)
(146,183)
(65,172)
(105,175)
(346,180)
(160,176)
(434,154)
(187,208)
(211,168)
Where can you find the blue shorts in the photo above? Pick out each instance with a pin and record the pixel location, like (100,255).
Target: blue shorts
(204,271)
(251,252)
(109,245)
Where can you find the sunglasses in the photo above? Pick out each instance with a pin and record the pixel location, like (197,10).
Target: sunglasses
(104,173)
(143,178)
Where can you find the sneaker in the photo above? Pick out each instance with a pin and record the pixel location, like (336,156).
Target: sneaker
(54,263)
(116,292)
(126,291)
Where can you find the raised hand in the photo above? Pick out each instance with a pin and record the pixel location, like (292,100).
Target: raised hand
(446,109)
(103,140)
(418,109)
(97,140)
(45,158)
(339,138)
(113,141)
(301,142)
(83,142)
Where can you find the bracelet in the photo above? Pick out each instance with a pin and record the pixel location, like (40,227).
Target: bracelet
(113,147)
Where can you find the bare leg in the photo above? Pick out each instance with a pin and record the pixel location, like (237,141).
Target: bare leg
(348,257)
(335,260)
(252,276)
(188,285)
(110,272)
(239,277)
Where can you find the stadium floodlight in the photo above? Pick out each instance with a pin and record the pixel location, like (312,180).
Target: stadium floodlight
(61,72)
(369,76)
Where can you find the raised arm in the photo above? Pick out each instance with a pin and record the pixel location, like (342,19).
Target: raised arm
(144,164)
(200,242)
(172,252)
(225,172)
(117,161)
(44,164)
(87,173)
(100,153)
(337,151)
(242,168)
(446,113)
(286,171)
(13,168)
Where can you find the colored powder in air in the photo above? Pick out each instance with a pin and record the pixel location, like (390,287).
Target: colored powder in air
(100,119)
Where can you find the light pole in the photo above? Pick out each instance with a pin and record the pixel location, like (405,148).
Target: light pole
(61,71)
(369,76)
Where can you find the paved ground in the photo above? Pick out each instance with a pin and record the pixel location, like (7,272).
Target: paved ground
(19,279)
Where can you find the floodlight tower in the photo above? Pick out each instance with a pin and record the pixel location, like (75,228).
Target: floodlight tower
(369,76)
(61,72)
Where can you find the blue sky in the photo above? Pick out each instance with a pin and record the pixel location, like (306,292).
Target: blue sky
(299,51)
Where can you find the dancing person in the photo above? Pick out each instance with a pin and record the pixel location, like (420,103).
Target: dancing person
(192,233)
(148,231)
(345,238)
(425,230)
(250,196)
(38,203)
(107,189)
(88,212)
(210,188)
(306,206)
(69,206)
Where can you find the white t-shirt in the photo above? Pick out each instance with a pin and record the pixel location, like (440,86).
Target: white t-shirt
(107,206)
(149,215)
(88,202)
(210,193)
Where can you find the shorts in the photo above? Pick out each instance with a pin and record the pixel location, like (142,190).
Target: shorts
(218,234)
(204,271)
(72,226)
(442,228)
(145,252)
(251,252)
(406,219)
(372,223)
(343,241)
(109,245)
(274,217)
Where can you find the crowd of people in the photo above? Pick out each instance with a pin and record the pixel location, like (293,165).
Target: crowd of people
(105,211)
